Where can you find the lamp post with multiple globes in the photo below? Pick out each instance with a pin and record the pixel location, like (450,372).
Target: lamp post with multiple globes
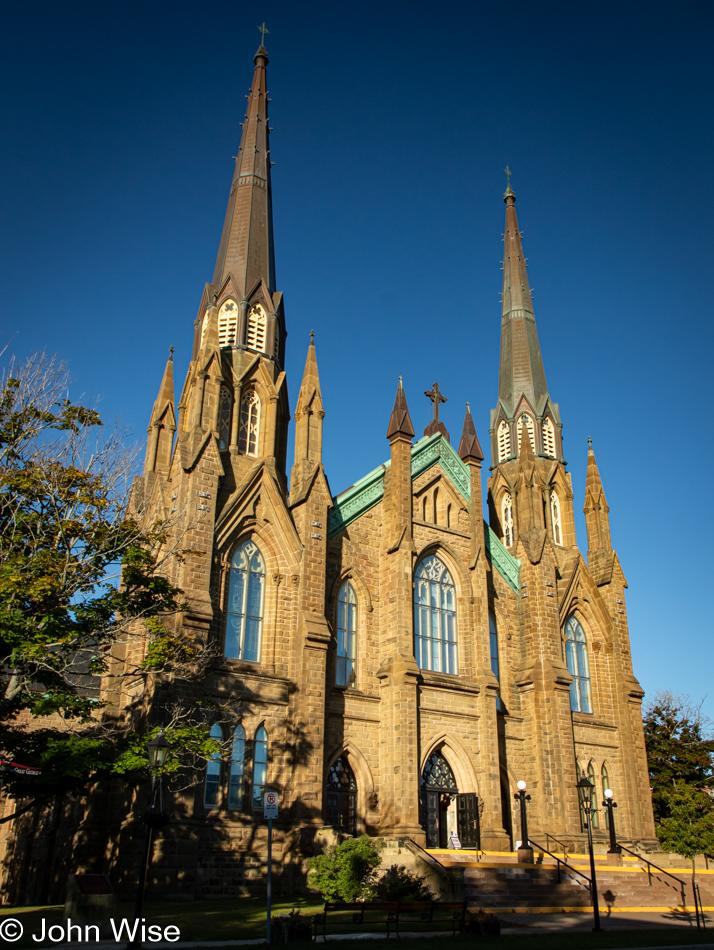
(525,852)
(611,806)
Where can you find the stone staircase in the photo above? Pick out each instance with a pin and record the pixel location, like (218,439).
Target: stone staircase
(499,882)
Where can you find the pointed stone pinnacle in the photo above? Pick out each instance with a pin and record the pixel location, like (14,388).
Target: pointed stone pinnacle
(400,422)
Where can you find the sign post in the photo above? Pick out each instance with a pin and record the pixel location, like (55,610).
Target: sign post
(270,811)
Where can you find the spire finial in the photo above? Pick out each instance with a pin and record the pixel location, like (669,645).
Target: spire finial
(171,352)
(436,397)
(590,441)
(312,337)
(400,381)
(263,30)
(468,407)
(509,192)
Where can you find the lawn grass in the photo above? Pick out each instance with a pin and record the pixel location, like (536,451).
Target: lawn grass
(244,919)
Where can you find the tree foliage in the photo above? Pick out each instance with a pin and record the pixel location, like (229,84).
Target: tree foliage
(79,577)
(680,748)
(346,872)
(680,758)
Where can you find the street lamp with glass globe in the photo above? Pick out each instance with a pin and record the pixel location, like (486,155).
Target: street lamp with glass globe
(525,852)
(611,806)
(585,794)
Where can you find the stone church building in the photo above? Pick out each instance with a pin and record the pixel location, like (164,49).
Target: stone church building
(394,662)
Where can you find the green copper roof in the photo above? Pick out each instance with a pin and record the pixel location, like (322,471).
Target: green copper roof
(368,491)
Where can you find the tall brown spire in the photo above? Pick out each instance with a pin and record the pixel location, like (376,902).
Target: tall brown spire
(522,372)
(246,248)
(596,511)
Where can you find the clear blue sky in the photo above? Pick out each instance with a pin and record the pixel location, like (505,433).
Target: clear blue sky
(393,123)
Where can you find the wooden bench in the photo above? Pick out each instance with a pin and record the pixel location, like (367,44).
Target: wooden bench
(390,916)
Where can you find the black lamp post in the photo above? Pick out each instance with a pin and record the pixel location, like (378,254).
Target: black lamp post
(158,749)
(522,798)
(611,806)
(585,794)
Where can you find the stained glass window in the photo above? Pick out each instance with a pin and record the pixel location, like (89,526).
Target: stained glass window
(235,782)
(437,774)
(576,657)
(435,617)
(249,422)
(346,636)
(244,616)
(224,420)
(260,766)
(212,790)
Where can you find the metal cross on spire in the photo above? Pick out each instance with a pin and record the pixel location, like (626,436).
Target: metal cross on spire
(263,29)
(508,172)
(436,397)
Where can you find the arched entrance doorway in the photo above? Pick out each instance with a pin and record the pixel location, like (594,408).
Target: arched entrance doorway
(443,809)
(341,797)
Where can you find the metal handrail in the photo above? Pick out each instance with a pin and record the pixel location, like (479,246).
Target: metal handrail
(411,845)
(560,861)
(651,865)
(548,838)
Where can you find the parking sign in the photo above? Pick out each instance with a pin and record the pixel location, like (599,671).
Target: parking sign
(270,805)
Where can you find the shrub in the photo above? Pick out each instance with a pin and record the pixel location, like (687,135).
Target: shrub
(398,884)
(346,872)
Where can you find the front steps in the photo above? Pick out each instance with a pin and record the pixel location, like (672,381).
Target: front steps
(497,882)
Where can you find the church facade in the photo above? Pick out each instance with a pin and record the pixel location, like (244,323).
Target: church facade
(395,663)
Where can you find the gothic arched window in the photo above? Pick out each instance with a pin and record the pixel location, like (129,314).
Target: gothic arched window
(227,323)
(260,766)
(528,421)
(341,797)
(594,813)
(346,636)
(504,441)
(605,782)
(555,518)
(576,657)
(249,423)
(224,420)
(246,592)
(255,331)
(493,643)
(211,793)
(435,508)
(507,519)
(235,782)
(435,617)
(548,437)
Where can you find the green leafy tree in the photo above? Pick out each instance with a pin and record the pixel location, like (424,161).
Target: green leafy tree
(346,872)
(80,578)
(680,749)
(689,828)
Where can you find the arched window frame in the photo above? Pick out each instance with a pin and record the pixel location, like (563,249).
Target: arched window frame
(236,780)
(594,812)
(576,658)
(227,323)
(435,507)
(424,506)
(529,426)
(260,767)
(245,604)
(435,629)
(347,619)
(555,518)
(493,650)
(548,437)
(507,519)
(225,404)
(256,328)
(504,441)
(249,423)
(341,796)
(605,784)
(212,785)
